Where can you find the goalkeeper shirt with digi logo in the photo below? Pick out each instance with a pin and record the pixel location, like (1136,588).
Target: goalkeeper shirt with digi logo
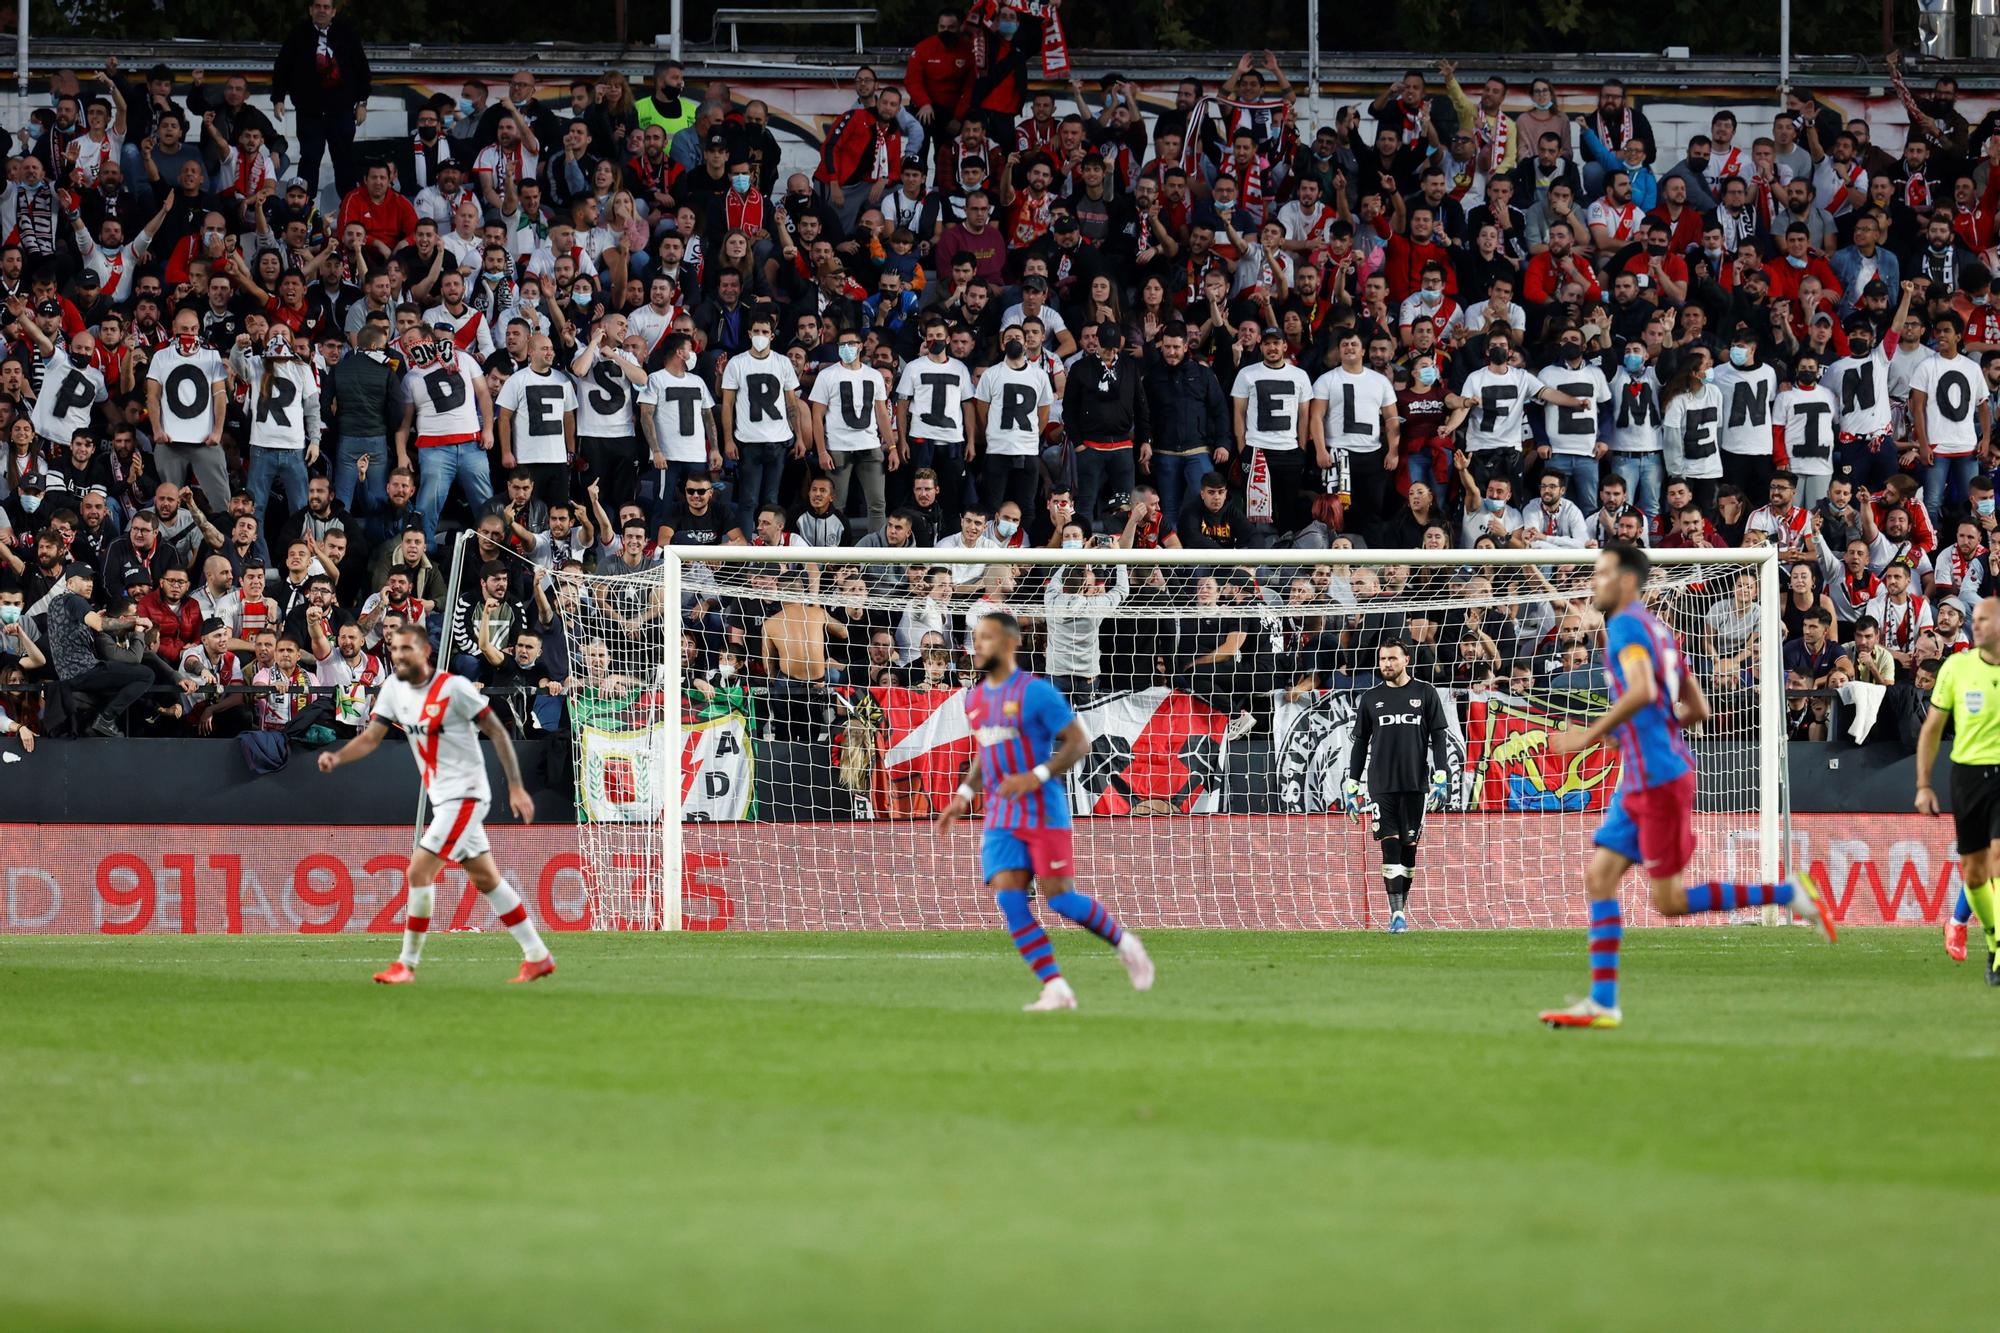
(1399,732)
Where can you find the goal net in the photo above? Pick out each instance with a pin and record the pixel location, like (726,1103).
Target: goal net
(762,740)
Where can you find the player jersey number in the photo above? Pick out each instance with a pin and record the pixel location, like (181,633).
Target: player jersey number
(1670,670)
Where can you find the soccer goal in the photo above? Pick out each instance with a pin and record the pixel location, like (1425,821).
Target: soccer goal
(762,736)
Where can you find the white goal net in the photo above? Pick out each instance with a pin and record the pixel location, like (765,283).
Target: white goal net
(761,740)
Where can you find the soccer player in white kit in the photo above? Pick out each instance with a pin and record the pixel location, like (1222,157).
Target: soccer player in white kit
(443,716)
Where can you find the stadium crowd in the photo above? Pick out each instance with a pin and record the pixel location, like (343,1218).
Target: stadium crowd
(241,433)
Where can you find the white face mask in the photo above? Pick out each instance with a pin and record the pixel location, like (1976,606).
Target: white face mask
(760,342)
(1006,527)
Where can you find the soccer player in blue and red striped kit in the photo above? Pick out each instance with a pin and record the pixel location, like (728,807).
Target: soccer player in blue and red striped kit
(1028,738)
(1651,819)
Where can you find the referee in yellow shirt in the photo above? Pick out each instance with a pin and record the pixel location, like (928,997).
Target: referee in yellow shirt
(1967,694)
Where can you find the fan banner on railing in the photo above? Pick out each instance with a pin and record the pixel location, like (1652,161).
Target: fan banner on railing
(717,774)
(1315,736)
(1509,765)
(1500,760)
(1155,751)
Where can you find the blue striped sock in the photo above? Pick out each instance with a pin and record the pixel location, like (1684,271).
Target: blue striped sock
(1607,933)
(1961,911)
(1723,896)
(1027,934)
(1087,912)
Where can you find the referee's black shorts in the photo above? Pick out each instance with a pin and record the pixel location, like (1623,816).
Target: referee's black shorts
(1399,814)
(1975,806)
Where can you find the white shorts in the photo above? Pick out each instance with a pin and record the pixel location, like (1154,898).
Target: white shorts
(457,831)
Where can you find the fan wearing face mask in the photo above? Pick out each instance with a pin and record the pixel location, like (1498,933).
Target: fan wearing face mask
(852,430)
(1497,425)
(1429,302)
(1576,446)
(1749,397)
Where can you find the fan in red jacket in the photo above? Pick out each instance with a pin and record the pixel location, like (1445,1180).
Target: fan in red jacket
(174,614)
(1403,265)
(1799,261)
(389,219)
(939,76)
(864,147)
(1558,267)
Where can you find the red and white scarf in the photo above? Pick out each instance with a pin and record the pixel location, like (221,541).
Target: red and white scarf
(1055,48)
(743,212)
(1954,567)
(1492,134)
(1267,119)
(1604,131)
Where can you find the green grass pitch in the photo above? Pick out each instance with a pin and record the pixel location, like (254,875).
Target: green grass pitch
(830,1132)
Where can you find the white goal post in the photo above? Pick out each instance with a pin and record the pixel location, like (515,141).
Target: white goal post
(711,798)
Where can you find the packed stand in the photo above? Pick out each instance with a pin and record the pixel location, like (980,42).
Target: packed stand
(242,434)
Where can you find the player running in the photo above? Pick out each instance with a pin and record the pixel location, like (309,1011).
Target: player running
(1651,819)
(1397,724)
(1028,738)
(442,715)
(1967,694)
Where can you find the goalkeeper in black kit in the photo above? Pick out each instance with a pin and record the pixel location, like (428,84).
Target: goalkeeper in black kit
(1399,733)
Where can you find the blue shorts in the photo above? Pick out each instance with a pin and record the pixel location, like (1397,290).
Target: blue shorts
(1045,851)
(1618,833)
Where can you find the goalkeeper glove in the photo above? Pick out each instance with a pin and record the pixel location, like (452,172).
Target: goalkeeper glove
(1350,798)
(1440,790)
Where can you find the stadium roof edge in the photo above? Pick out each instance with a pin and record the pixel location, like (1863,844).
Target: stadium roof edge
(820,62)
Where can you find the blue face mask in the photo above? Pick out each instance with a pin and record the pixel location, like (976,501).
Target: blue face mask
(465,106)
(1795,261)
(1006,29)
(1427,375)
(1982,507)
(1069,544)
(11,615)
(740,184)
(1739,357)
(1493,506)
(30,503)
(1634,363)
(849,354)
